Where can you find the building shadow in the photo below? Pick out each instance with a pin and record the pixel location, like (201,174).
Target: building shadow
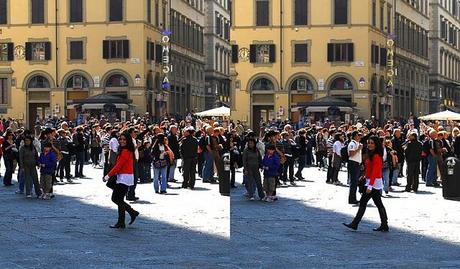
(68,232)
(291,234)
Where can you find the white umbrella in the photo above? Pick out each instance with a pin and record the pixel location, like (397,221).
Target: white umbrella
(215,112)
(444,115)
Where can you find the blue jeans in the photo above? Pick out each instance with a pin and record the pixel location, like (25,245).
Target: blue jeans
(394,179)
(431,171)
(208,166)
(79,162)
(386,179)
(157,182)
(172,169)
(21,180)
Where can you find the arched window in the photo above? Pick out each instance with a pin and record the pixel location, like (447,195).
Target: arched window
(301,84)
(117,81)
(77,82)
(262,84)
(38,82)
(340,84)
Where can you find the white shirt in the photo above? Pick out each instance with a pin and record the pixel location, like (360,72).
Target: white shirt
(136,151)
(126,179)
(352,146)
(337,147)
(113,144)
(378,184)
(162,151)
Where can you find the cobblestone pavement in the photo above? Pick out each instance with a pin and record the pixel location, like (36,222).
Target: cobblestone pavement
(201,229)
(303,229)
(183,229)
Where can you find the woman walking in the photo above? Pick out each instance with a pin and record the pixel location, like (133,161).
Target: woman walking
(252,162)
(373,171)
(124,172)
(28,159)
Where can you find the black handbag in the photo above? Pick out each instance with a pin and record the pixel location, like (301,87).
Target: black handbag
(112,182)
(362,184)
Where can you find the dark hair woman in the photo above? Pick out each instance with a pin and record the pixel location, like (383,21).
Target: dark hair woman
(9,155)
(373,170)
(252,161)
(28,158)
(124,171)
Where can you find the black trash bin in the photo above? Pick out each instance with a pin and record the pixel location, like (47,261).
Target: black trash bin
(451,178)
(224,183)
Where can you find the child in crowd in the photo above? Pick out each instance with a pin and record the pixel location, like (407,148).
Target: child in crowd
(271,164)
(48,163)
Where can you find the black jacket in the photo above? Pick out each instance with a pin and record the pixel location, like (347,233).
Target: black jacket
(413,151)
(457,147)
(174,145)
(189,147)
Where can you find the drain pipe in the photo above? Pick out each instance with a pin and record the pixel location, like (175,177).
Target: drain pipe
(282,57)
(56,28)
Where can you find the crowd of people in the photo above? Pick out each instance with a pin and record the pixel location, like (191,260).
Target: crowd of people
(272,157)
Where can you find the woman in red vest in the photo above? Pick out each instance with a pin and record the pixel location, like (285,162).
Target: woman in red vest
(373,171)
(124,172)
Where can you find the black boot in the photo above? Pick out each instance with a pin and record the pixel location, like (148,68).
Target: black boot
(382,228)
(383,220)
(121,218)
(133,215)
(118,226)
(352,225)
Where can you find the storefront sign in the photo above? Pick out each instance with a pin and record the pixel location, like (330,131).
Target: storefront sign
(167,66)
(390,63)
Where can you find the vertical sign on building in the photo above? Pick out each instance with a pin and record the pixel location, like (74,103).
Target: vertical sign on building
(167,66)
(390,65)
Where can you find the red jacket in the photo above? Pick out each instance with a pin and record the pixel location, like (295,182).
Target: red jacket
(373,168)
(124,164)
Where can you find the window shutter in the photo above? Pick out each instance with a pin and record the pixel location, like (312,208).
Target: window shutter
(373,54)
(272,54)
(105,49)
(234,53)
(158,53)
(351,50)
(148,50)
(383,56)
(28,51)
(330,52)
(252,53)
(376,53)
(152,51)
(125,49)
(47,51)
(10,51)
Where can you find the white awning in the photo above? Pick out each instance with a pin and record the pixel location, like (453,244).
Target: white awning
(444,115)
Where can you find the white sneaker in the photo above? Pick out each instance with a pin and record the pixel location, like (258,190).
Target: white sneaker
(29,196)
(252,199)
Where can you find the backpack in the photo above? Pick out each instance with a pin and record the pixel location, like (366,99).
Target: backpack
(344,153)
